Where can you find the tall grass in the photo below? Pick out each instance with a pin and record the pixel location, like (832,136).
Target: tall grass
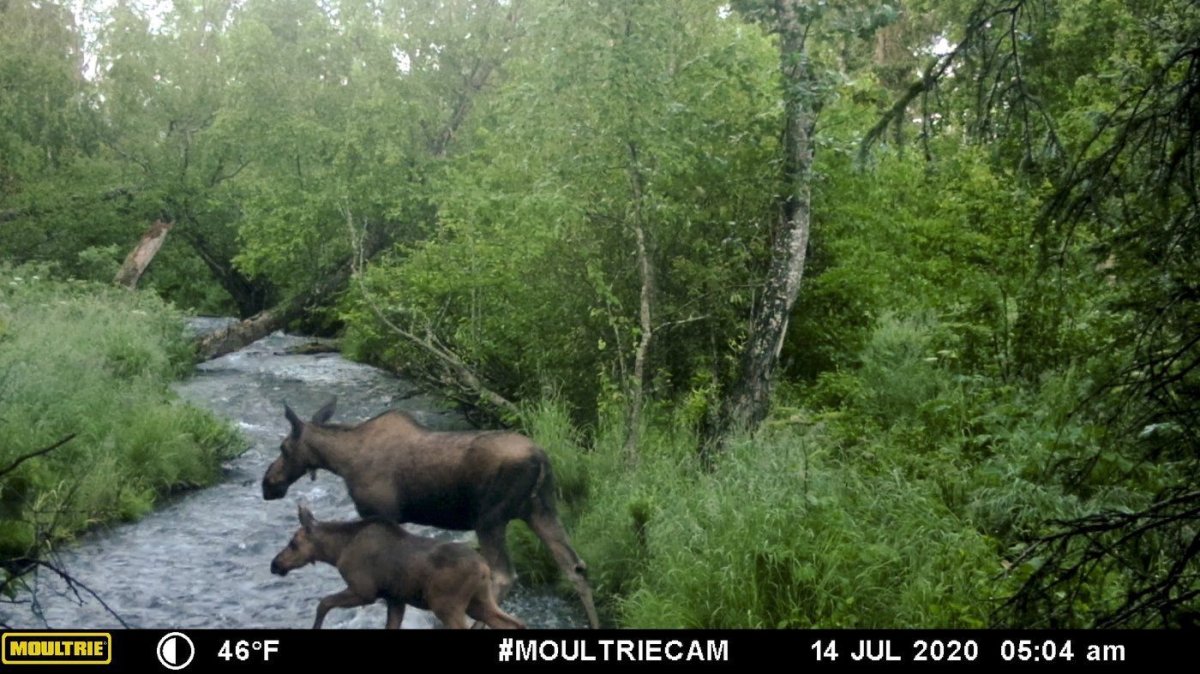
(97,362)
(783,531)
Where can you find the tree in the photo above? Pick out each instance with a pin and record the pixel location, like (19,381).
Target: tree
(1097,102)
(1129,198)
(804,87)
(166,91)
(746,403)
(49,138)
(647,118)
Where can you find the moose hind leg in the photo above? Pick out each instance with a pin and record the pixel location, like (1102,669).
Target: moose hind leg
(547,527)
(345,599)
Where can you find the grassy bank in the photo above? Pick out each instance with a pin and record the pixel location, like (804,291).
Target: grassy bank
(89,360)
(784,531)
(897,494)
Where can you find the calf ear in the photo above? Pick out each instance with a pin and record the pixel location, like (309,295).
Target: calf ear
(306,518)
(325,413)
(297,424)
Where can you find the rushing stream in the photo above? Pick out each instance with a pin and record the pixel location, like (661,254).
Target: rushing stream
(203,559)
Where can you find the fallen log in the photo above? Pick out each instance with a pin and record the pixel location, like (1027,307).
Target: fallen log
(237,335)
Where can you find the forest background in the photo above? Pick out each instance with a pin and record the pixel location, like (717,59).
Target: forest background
(830,314)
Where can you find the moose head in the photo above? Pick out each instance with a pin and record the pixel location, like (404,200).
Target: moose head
(301,550)
(297,455)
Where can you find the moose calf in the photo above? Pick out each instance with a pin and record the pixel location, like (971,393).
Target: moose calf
(380,560)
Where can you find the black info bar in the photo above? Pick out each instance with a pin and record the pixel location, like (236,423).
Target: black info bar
(149,650)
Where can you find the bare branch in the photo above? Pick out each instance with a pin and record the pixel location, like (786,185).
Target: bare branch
(461,373)
(75,585)
(937,69)
(46,450)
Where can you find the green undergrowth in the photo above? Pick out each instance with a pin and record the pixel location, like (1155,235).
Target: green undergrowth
(785,530)
(96,362)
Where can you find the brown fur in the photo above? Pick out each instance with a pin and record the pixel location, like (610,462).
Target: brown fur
(380,560)
(398,470)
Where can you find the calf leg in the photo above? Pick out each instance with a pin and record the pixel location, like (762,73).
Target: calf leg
(484,609)
(454,621)
(395,614)
(344,599)
(547,527)
(451,613)
(494,548)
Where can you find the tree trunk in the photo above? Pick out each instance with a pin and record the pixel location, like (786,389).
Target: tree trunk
(747,401)
(140,257)
(249,296)
(646,276)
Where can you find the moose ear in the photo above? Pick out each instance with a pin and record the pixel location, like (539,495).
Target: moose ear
(306,518)
(325,413)
(297,424)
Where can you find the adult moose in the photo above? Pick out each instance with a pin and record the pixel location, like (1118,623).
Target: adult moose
(397,469)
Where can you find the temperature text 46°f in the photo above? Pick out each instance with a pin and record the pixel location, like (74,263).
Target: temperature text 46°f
(244,650)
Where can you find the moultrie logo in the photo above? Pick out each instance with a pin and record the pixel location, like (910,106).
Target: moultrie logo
(56,648)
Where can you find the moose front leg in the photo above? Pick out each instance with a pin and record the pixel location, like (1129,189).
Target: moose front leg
(345,599)
(395,614)
(494,548)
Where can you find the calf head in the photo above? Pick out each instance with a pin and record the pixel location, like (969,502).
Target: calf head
(301,550)
(296,456)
